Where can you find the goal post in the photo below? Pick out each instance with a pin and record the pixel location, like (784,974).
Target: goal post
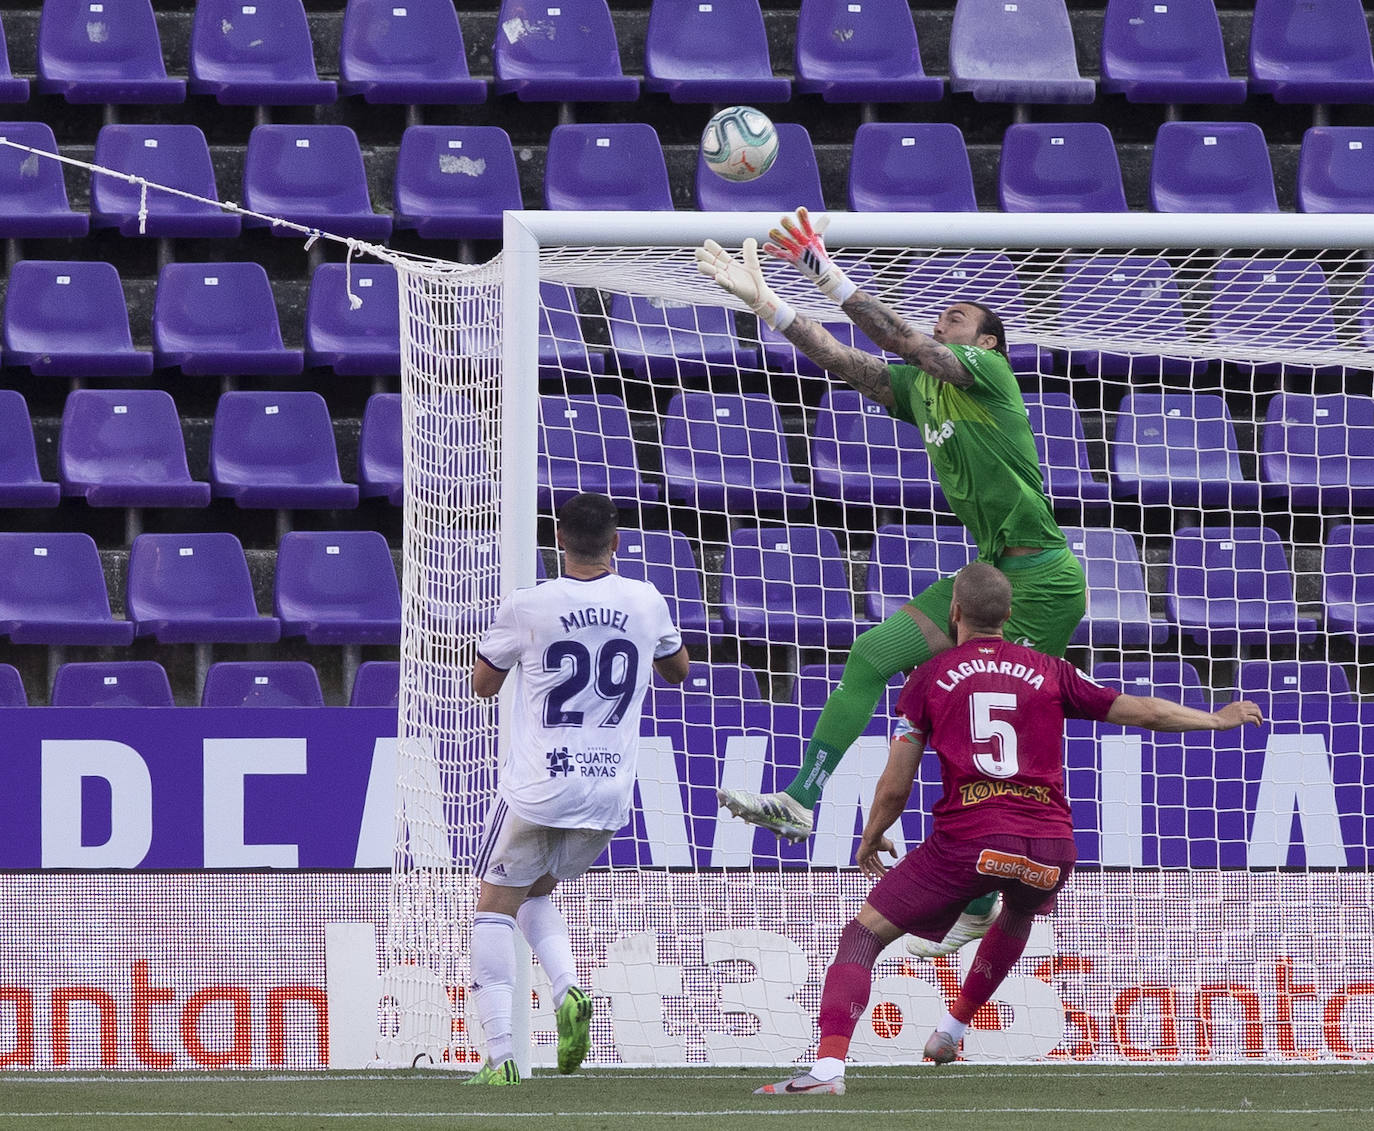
(1222,905)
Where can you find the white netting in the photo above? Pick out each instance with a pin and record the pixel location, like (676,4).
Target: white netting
(1184,399)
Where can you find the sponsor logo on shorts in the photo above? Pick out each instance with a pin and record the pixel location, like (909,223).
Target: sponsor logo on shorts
(1008,866)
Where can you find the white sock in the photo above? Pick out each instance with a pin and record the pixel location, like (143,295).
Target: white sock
(953,1026)
(546,931)
(828,1068)
(493,980)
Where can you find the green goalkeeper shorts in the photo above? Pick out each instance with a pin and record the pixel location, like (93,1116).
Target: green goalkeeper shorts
(1048,599)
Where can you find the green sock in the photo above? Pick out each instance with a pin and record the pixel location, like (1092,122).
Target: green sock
(982,905)
(898,644)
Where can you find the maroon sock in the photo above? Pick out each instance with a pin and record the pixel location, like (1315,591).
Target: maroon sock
(997,954)
(847,985)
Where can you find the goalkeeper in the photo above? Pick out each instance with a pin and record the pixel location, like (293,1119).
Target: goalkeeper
(956,386)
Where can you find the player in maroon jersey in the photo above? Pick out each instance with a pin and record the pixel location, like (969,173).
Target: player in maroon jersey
(995,713)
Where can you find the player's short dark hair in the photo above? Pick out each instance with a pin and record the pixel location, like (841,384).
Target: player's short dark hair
(983,594)
(991,324)
(588,524)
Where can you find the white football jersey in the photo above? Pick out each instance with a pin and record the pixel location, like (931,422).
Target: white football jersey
(583,653)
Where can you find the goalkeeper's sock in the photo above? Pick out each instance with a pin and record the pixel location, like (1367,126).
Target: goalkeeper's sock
(997,954)
(848,983)
(546,931)
(898,644)
(493,980)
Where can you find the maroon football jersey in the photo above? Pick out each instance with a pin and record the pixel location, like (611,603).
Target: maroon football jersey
(994,711)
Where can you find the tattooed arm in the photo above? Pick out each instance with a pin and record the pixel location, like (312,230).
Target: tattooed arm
(858,368)
(890,331)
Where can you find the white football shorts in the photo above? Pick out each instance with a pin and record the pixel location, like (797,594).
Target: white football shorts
(516,852)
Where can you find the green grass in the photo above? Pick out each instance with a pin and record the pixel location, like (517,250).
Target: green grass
(1015,1098)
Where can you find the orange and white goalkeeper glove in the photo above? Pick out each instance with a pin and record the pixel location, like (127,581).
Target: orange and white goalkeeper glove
(803,245)
(743,278)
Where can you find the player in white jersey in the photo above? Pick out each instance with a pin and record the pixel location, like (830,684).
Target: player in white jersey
(582,647)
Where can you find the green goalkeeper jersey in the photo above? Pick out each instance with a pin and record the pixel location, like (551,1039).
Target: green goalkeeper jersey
(980,445)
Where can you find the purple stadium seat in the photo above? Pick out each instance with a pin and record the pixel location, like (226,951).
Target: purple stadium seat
(457,442)
(1302,52)
(1063,451)
(121,683)
(20,483)
(377,683)
(1285,685)
(406,53)
(1348,581)
(453,182)
(107,52)
(1233,585)
(12,693)
(33,194)
(617,166)
(905,560)
(251,683)
(815,682)
(365,342)
(1106,295)
(124,448)
(11,89)
(585,444)
(1173,53)
(312,176)
(1336,169)
(1063,167)
(781,356)
(562,349)
(708,690)
(52,591)
(934,282)
(910,167)
(276,449)
(787,585)
(337,587)
(1174,680)
(257,54)
(1320,449)
(1118,613)
(665,559)
(194,589)
(1178,449)
(716,52)
(173,155)
(381,451)
(1275,304)
(852,51)
(564,52)
(1211,167)
(1020,52)
(219,319)
(70,319)
(665,340)
(722,681)
(725,451)
(793,180)
(861,454)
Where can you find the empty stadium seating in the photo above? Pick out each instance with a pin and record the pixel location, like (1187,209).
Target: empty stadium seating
(106,53)
(1060,167)
(794,179)
(219,319)
(600,167)
(33,195)
(1022,52)
(273,683)
(1173,53)
(665,559)
(257,54)
(21,485)
(716,52)
(861,52)
(454,182)
(564,52)
(910,167)
(194,588)
(174,155)
(121,683)
(405,53)
(907,559)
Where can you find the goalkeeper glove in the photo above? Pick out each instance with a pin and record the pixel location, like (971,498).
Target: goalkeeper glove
(745,281)
(802,245)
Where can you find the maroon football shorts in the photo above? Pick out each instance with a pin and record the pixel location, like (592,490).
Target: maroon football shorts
(929,887)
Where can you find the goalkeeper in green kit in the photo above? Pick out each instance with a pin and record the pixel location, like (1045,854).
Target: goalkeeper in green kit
(957,387)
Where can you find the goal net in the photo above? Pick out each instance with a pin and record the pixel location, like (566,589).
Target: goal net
(1200,388)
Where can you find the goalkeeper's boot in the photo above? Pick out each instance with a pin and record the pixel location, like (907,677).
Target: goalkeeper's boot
(805,1083)
(941,1047)
(574,1018)
(503,1075)
(966,928)
(778,812)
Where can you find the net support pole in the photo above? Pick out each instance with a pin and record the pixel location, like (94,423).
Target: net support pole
(519,504)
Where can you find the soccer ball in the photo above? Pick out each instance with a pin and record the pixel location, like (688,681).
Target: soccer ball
(739,143)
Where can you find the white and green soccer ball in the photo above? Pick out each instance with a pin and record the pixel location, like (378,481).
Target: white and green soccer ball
(739,143)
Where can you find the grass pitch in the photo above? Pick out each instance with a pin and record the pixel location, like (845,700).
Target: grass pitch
(1026,1098)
